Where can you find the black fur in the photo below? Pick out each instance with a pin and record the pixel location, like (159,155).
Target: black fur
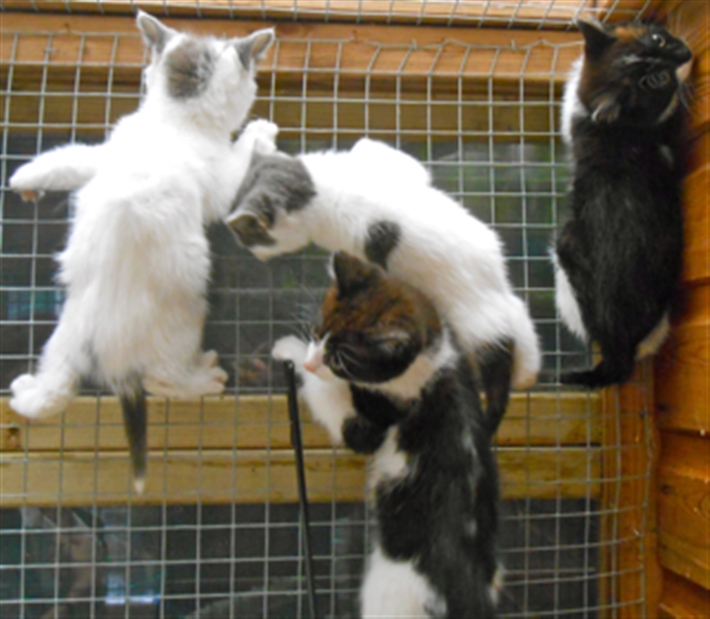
(135,413)
(382,238)
(443,515)
(495,365)
(622,247)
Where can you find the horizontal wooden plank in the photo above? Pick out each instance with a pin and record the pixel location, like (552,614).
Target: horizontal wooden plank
(684,501)
(683,599)
(683,367)
(689,560)
(463,12)
(696,189)
(255,476)
(417,116)
(684,506)
(544,58)
(258,422)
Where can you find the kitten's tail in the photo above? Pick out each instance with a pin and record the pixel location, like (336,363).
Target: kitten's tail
(605,374)
(133,402)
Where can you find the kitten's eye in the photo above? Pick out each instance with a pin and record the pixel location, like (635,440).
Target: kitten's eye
(658,39)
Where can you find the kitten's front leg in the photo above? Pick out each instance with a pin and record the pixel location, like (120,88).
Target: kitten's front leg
(63,169)
(330,401)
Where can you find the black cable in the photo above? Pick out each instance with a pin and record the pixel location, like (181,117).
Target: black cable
(297,444)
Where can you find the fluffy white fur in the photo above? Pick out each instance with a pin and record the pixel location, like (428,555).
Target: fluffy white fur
(327,396)
(395,589)
(566,301)
(453,258)
(136,263)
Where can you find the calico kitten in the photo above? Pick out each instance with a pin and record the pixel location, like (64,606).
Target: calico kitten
(378,204)
(136,263)
(385,376)
(619,257)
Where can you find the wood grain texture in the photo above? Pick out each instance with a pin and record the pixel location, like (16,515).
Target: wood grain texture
(260,422)
(466,12)
(683,368)
(34,43)
(628,526)
(684,507)
(683,599)
(696,188)
(253,476)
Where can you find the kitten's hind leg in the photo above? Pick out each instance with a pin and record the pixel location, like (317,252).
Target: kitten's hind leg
(64,169)
(55,385)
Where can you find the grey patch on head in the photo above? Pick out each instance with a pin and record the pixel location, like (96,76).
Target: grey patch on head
(274,183)
(189,69)
(382,238)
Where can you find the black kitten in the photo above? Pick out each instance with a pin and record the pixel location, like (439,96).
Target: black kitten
(619,257)
(385,376)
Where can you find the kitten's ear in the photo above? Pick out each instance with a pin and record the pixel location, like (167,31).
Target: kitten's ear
(596,38)
(251,230)
(349,273)
(155,34)
(254,46)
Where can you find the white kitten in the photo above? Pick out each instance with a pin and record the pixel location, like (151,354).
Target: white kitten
(378,203)
(137,262)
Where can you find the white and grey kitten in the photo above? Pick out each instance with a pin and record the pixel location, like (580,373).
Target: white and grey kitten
(136,264)
(378,203)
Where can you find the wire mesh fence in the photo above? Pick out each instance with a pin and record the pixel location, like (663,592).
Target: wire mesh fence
(216,533)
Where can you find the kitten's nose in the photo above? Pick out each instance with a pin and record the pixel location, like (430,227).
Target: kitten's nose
(314,360)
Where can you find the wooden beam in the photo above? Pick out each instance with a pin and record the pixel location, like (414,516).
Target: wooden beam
(33,41)
(683,368)
(261,422)
(684,507)
(464,12)
(255,476)
(629,563)
(683,599)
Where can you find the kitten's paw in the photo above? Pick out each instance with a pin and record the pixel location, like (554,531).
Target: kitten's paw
(209,359)
(31,398)
(290,348)
(216,379)
(264,132)
(27,181)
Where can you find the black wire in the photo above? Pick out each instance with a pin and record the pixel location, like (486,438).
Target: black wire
(297,445)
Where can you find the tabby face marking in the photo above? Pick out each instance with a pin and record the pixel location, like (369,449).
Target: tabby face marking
(631,73)
(373,326)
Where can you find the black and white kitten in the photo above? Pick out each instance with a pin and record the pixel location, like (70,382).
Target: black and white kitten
(378,203)
(619,256)
(385,376)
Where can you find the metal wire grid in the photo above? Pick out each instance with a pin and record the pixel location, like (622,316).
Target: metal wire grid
(538,14)
(169,559)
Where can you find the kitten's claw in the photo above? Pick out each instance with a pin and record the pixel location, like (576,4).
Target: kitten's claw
(32,399)
(290,348)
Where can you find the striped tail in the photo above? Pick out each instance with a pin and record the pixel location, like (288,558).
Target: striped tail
(133,402)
